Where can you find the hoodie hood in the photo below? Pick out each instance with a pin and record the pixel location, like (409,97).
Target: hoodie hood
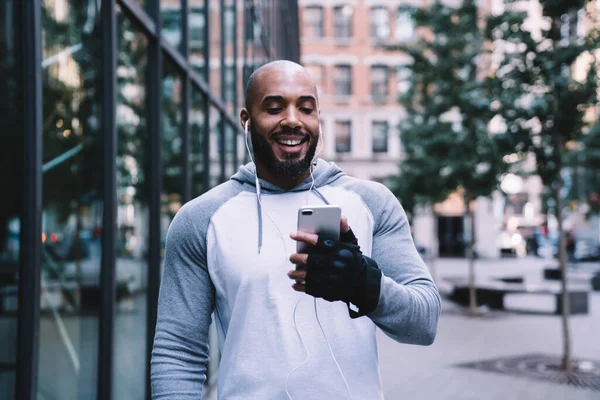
(324,173)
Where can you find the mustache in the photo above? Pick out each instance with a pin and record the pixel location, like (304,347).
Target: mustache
(290,132)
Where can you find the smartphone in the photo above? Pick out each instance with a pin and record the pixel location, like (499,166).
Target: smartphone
(324,220)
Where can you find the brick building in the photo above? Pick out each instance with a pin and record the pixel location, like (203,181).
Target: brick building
(343,44)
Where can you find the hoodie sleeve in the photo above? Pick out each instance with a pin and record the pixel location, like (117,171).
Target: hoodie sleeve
(409,302)
(185,303)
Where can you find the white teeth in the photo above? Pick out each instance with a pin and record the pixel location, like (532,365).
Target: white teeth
(291,142)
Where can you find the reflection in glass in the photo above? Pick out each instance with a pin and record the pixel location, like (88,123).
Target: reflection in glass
(170,17)
(197,140)
(215,70)
(171,147)
(133,180)
(215,147)
(11,153)
(197,35)
(72,201)
(230,156)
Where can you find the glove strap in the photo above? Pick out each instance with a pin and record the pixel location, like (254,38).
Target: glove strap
(367,301)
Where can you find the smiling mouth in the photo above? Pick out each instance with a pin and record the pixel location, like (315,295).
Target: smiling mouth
(291,142)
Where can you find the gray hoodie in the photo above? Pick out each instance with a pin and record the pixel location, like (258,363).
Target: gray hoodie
(227,255)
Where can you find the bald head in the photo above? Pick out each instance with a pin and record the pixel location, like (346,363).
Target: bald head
(269,71)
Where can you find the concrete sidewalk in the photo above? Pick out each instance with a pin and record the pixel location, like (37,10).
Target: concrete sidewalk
(413,372)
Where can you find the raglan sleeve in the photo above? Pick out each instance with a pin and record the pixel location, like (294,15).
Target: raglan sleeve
(409,302)
(185,304)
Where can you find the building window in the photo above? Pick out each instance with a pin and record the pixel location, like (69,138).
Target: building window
(380,23)
(342,80)
(343,136)
(317,73)
(379,135)
(312,22)
(405,26)
(402,79)
(379,83)
(342,21)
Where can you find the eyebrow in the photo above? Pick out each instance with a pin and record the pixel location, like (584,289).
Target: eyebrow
(306,97)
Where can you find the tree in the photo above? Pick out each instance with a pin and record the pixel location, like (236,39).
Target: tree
(447,144)
(542,104)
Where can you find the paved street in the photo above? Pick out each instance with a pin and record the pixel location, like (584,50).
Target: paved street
(412,372)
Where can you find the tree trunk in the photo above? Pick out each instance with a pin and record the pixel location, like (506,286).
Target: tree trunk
(433,253)
(473,310)
(566,358)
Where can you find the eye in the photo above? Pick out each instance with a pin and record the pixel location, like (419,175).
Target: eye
(273,110)
(306,110)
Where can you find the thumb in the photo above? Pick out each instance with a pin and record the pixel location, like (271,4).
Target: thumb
(344,227)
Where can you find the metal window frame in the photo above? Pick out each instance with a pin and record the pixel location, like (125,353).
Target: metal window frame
(109,220)
(154,85)
(31,226)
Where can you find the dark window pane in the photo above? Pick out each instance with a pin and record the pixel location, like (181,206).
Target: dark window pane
(342,21)
(132,236)
(343,136)
(197,141)
(197,37)
(312,22)
(379,133)
(170,18)
(379,83)
(171,147)
(7,384)
(72,200)
(380,23)
(342,80)
(11,159)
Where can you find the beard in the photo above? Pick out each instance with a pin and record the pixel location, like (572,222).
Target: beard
(292,167)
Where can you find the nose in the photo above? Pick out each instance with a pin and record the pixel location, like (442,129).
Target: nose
(291,119)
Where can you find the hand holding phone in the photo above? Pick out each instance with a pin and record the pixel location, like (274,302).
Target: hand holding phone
(323,220)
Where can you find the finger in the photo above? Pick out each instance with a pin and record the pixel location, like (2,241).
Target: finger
(305,237)
(298,287)
(344,227)
(299,258)
(297,275)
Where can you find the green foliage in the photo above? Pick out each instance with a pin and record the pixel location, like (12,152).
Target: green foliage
(539,99)
(445,135)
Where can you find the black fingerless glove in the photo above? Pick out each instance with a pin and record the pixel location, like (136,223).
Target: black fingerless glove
(337,270)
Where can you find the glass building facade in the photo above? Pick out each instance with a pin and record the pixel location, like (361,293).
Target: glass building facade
(114,113)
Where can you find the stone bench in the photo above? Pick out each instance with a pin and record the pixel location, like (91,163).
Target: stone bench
(492,293)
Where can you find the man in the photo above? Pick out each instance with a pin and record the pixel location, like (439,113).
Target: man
(228,252)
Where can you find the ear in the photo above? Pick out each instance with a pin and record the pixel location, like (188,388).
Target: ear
(244,117)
